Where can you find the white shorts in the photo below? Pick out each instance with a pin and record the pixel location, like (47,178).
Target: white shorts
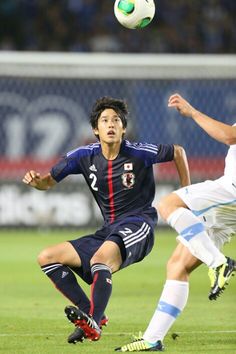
(214,203)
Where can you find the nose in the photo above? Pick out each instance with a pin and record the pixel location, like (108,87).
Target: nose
(111,123)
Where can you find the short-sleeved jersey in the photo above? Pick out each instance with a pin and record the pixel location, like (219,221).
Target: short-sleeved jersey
(123,186)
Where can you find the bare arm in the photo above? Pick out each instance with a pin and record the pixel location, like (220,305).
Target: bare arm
(181,164)
(34,179)
(222,132)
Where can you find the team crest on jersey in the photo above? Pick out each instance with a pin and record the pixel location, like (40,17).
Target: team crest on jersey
(128,179)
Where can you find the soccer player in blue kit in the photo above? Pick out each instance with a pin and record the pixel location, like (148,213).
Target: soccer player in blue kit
(119,174)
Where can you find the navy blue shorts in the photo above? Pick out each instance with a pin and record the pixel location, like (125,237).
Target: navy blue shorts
(133,235)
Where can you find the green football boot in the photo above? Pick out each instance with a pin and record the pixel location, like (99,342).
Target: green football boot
(220,276)
(141,345)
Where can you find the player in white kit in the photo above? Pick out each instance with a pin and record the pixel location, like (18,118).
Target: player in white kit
(204,216)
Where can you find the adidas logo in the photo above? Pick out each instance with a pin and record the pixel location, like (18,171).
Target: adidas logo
(93,168)
(64,274)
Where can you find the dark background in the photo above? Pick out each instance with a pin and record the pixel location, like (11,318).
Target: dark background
(180,26)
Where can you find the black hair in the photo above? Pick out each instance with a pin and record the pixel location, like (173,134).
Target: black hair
(119,106)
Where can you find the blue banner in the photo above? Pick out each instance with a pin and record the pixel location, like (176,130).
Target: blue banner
(43,118)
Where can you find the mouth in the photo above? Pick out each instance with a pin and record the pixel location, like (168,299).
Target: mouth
(111,133)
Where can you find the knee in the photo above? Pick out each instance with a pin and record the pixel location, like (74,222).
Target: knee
(45,257)
(168,204)
(98,258)
(110,262)
(94,260)
(163,208)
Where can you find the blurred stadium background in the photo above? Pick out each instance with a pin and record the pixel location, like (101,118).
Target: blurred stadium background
(56,58)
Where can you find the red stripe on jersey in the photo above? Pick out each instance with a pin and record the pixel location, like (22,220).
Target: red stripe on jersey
(111,194)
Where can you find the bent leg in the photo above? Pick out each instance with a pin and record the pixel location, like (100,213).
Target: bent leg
(191,230)
(174,296)
(55,262)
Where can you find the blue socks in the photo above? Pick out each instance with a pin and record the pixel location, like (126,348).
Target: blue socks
(66,282)
(101,290)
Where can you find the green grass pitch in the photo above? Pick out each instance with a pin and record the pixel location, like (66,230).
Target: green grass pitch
(32,317)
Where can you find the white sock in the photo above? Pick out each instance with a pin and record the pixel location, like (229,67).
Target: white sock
(193,235)
(172,302)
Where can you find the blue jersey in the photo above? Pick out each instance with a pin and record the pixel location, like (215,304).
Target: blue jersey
(123,186)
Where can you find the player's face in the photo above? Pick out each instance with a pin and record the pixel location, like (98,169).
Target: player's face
(110,128)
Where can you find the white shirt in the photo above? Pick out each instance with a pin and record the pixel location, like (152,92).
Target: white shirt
(230,163)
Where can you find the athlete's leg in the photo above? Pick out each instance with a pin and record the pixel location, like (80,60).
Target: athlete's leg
(104,262)
(127,243)
(106,259)
(190,229)
(174,295)
(63,253)
(55,262)
(171,303)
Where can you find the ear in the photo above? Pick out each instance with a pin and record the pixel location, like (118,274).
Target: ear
(95,131)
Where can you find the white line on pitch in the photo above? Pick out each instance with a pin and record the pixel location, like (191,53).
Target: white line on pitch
(107,334)
(193,332)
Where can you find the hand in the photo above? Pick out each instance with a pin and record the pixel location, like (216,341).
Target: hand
(32,178)
(181,105)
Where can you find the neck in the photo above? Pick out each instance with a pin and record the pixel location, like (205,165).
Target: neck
(110,151)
